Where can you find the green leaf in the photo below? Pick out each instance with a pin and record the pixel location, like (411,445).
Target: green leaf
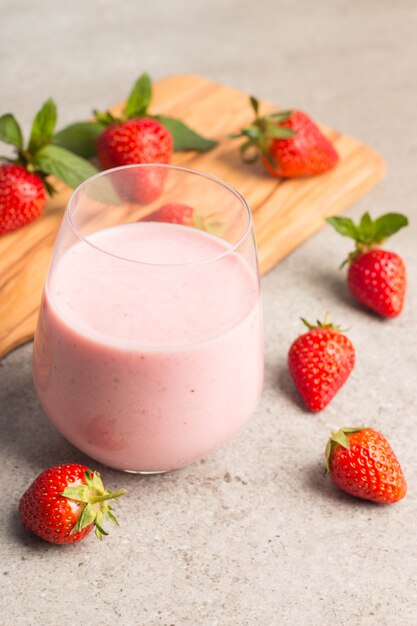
(80,138)
(253,132)
(43,126)
(88,477)
(112,518)
(99,525)
(272,131)
(253,155)
(79,493)
(184,137)
(279,116)
(344,226)
(353,429)
(10,131)
(65,165)
(387,225)
(366,228)
(341,438)
(139,98)
(86,518)
(255,104)
(107,495)
(98,483)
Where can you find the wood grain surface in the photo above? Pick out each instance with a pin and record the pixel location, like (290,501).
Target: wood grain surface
(285,213)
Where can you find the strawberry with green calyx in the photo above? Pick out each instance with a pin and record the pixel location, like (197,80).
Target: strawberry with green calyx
(135,141)
(82,137)
(22,197)
(289,143)
(361,462)
(376,277)
(320,361)
(176,213)
(24,179)
(65,503)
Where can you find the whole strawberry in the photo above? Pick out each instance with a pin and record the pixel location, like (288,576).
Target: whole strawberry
(176,213)
(64,503)
(22,197)
(320,361)
(24,181)
(362,463)
(173,213)
(142,140)
(126,142)
(136,141)
(289,143)
(376,277)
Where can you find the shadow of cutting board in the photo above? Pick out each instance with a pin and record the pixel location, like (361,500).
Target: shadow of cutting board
(285,212)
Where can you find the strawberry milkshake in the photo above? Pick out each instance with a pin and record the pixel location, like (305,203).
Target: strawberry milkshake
(149,351)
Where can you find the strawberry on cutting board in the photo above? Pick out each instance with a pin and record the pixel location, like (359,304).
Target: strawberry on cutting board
(177,213)
(361,462)
(65,503)
(22,196)
(135,136)
(289,143)
(376,277)
(320,361)
(24,180)
(174,213)
(142,140)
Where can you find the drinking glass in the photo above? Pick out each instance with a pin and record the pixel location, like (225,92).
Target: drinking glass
(148,352)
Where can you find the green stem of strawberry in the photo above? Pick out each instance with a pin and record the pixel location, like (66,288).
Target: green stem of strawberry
(107,496)
(24,158)
(368,233)
(95,499)
(325,324)
(261,132)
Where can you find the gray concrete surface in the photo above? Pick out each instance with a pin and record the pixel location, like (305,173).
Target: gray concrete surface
(254,535)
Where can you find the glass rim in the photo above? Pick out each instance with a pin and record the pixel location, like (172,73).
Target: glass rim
(187,170)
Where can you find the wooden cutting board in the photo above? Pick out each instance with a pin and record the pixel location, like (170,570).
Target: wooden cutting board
(285,212)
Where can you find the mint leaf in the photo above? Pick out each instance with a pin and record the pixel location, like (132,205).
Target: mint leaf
(387,225)
(254,104)
(366,228)
(10,131)
(184,137)
(80,138)
(344,226)
(139,98)
(43,126)
(65,165)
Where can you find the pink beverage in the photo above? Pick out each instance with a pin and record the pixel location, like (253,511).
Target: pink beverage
(149,349)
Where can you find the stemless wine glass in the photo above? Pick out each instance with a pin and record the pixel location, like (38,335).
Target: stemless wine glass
(149,348)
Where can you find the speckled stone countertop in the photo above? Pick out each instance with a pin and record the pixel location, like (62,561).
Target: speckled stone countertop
(255,534)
